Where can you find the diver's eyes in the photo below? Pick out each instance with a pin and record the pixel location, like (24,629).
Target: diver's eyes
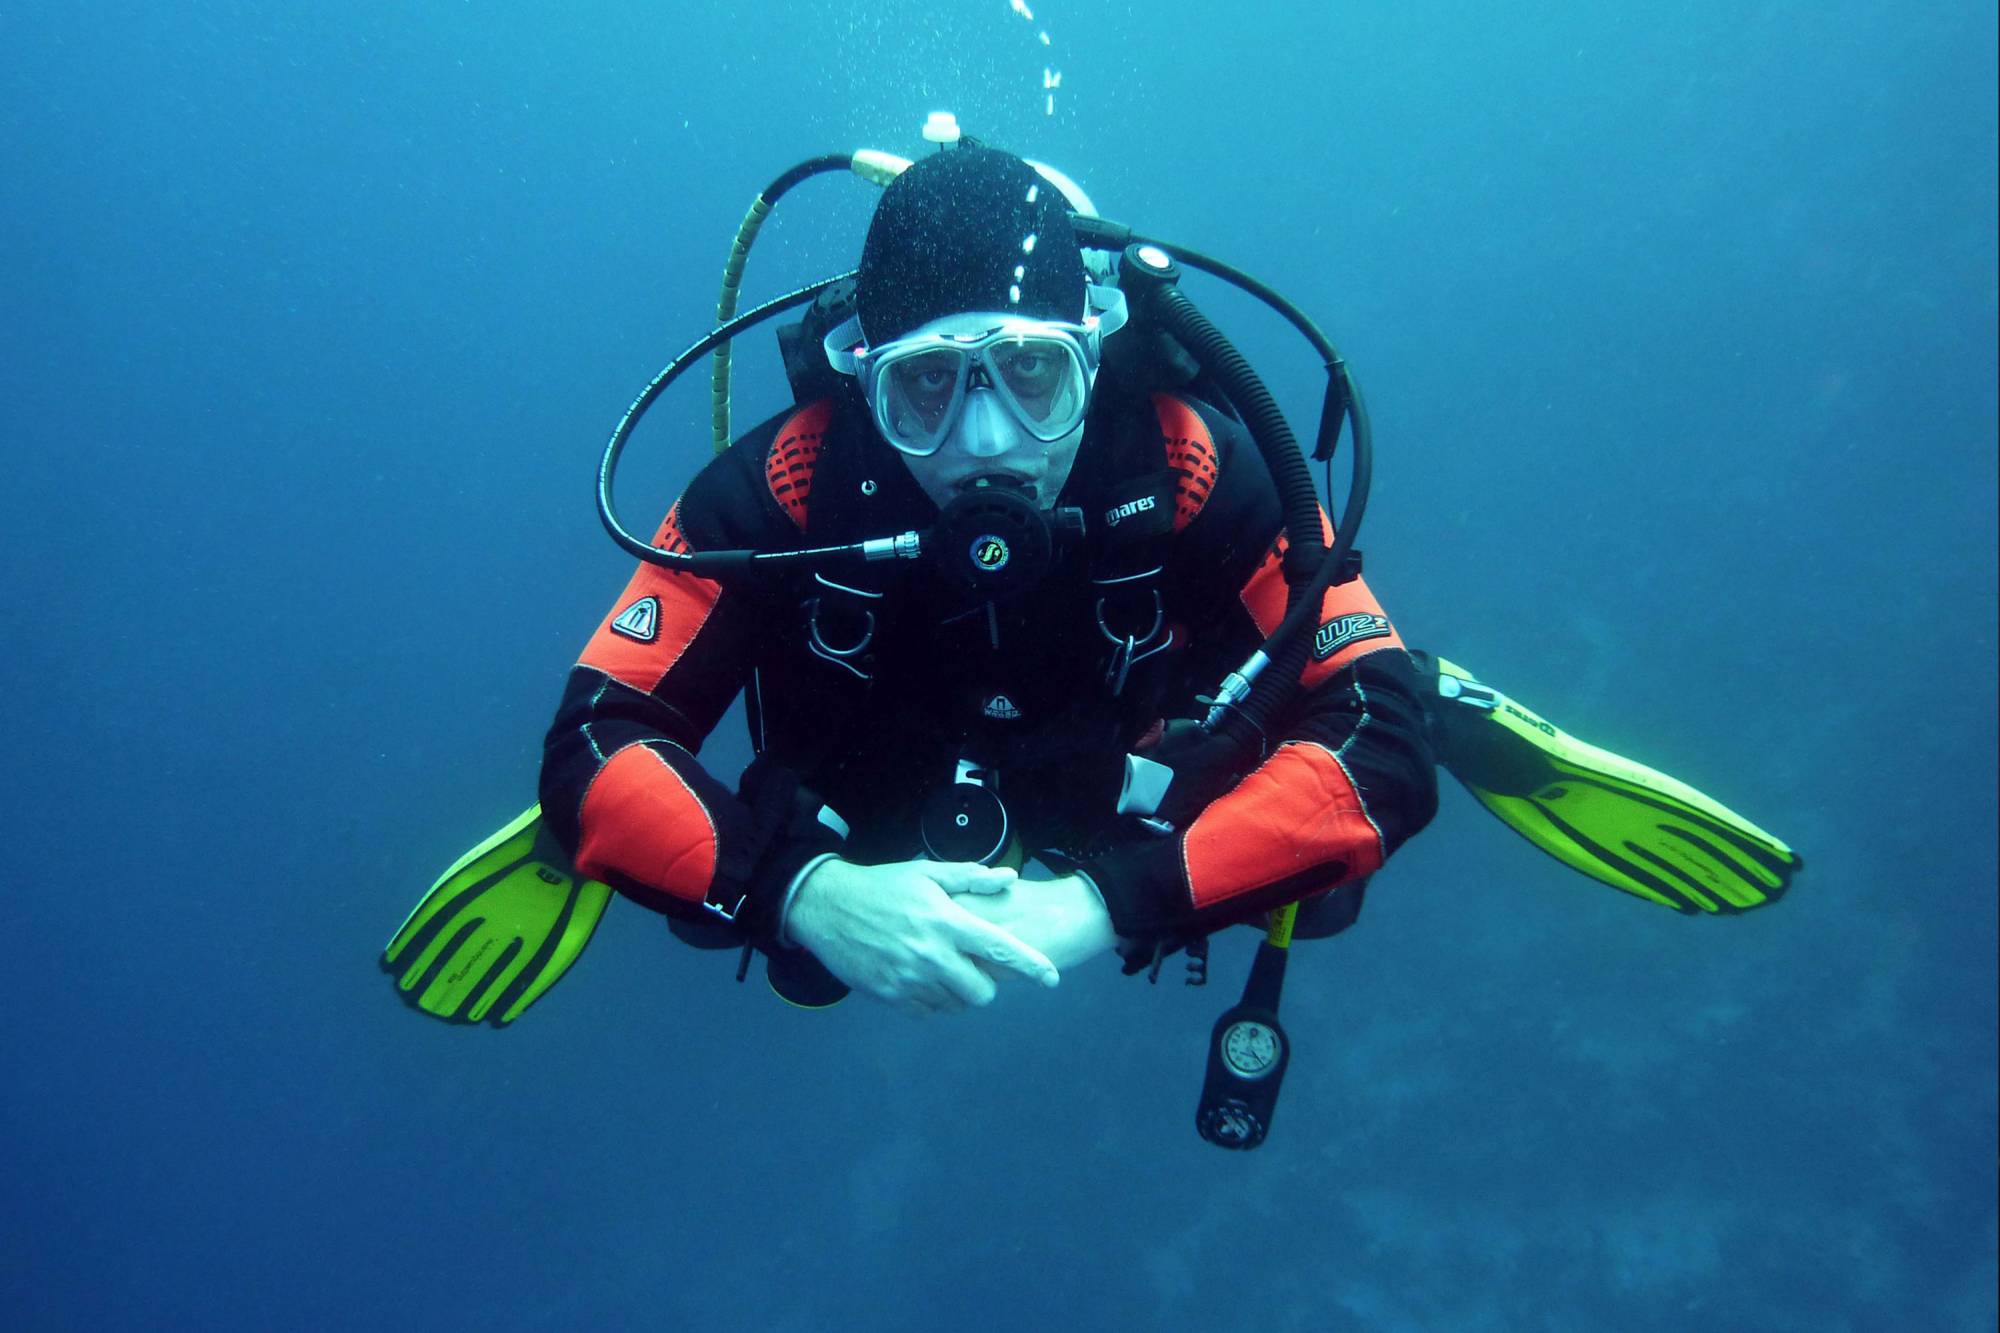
(929,376)
(1030,368)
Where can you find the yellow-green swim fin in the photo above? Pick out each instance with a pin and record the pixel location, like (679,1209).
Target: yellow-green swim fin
(497,929)
(1615,820)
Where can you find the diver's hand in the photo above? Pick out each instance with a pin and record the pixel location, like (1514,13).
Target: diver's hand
(897,932)
(1064,917)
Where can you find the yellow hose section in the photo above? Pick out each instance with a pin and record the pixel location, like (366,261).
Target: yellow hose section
(877,168)
(725,310)
(1280,929)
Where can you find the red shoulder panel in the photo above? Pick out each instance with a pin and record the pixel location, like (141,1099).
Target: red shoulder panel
(788,468)
(1190,453)
(1351,622)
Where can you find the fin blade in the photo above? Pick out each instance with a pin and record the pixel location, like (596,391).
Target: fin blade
(459,992)
(1725,854)
(494,853)
(497,929)
(1535,821)
(1691,852)
(588,900)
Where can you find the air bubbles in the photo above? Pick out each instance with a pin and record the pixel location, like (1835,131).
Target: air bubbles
(1051,76)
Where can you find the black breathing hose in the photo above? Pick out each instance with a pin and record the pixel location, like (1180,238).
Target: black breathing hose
(1286,649)
(1297,496)
(607,467)
(1296,493)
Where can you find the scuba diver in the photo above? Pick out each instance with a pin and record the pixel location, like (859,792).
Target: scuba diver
(976,363)
(1031,570)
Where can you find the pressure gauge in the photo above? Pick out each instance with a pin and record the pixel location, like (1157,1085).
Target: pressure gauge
(1251,1049)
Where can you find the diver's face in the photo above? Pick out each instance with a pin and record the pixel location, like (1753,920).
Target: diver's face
(987,443)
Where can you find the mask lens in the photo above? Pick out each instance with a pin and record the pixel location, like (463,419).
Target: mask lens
(917,393)
(1044,377)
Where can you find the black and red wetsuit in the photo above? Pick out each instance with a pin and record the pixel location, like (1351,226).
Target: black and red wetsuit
(866,688)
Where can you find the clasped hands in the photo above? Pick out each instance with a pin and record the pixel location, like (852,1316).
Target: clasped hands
(937,936)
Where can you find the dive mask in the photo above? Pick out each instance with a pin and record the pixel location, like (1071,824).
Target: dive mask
(1041,371)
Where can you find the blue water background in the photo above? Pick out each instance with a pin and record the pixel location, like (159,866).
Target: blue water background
(1678,323)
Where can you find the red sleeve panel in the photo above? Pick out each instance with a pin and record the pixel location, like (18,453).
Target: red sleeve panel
(620,783)
(1297,814)
(654,620)
(643,822)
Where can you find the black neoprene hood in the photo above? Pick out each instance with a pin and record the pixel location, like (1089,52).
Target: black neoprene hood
(967,229)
